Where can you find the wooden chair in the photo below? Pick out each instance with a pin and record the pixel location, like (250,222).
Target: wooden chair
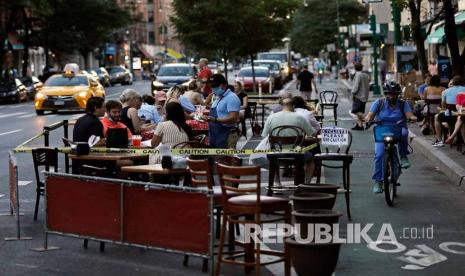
(430,113)
(289,137)
(43,157)
(339,155)
(328,100)
(251,205)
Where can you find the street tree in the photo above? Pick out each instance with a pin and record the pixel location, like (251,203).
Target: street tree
(450,30)
(315,24)
(83,25)
(231,27)
(418,35)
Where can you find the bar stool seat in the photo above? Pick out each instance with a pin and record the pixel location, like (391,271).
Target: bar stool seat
(248,200)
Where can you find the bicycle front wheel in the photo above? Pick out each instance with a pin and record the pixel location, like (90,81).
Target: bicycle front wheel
(389,179)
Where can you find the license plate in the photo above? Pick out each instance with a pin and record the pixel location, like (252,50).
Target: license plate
(59,103)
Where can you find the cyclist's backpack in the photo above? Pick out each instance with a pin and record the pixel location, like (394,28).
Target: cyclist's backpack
(401,105)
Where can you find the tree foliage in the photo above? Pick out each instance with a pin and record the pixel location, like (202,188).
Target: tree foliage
(83,25)
(315,24)
(232,27)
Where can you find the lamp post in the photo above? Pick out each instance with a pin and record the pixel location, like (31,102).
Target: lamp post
(395,10)
(375,41)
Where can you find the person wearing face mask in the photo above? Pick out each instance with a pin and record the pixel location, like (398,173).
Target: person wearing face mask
(113,118)
(390,110)
(224,115)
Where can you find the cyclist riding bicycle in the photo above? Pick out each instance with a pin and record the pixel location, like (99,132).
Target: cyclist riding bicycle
(390,110)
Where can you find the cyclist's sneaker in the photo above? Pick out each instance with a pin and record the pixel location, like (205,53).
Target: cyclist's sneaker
(378,187)
(404,163)
(438,144)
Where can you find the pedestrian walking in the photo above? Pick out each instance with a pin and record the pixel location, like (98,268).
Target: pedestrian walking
(305,79)
(360,92)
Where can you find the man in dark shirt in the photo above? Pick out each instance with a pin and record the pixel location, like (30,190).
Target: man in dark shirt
(90,124)
(305,79)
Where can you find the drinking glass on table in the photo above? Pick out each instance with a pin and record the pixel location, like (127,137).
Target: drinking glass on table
(136,140)
(459,108)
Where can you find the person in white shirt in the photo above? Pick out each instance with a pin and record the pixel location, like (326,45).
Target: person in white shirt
(301,108)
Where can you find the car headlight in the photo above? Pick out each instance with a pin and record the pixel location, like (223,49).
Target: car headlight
(157,83)
(82,94)
(40,96)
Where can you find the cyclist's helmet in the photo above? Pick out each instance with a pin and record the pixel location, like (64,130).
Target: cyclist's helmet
(392,87)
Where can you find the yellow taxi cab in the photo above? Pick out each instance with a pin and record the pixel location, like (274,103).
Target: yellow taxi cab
(67,91)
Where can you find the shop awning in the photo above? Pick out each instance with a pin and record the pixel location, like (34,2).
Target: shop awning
(438,36)
(174,54)
(144,51)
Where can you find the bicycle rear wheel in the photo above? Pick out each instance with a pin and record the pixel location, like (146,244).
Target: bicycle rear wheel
(389,179)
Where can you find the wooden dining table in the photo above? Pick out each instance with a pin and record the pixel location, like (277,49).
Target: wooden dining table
(157,170)
(108,160)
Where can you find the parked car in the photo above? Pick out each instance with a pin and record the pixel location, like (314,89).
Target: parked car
(173,74)
(262,76)
(32,84)
(276,71)
(119,74)
(282,58)
(102,75)
(12,90)
(67,91)
(213,67)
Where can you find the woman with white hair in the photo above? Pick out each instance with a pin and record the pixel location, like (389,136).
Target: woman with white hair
(132,102)
(175,94)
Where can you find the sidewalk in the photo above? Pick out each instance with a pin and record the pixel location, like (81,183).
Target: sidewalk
(446,159)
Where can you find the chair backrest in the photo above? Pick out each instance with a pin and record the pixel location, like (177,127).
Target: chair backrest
(46,157)
(328,96)
(117,138)
(335,145)
(286,135)
(451,107)
(239,175)
(432,102)
(201,173)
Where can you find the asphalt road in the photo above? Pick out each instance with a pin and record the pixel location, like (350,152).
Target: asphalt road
(428,219)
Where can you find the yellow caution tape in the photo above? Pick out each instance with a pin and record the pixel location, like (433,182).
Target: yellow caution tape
(180,151)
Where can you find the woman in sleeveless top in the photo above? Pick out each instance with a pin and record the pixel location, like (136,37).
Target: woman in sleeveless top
(132,101)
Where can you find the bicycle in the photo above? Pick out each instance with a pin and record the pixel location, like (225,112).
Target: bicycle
(390,135)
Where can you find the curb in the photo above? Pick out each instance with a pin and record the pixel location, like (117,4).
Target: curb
(446,164)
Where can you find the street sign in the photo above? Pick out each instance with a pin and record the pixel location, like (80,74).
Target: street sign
(334,136)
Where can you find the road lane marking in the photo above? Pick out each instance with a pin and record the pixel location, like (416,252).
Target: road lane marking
(12,114)
(10,132)
(2,196)
(24,183)
(27,115)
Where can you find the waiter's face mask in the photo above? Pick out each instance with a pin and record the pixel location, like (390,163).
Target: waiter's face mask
(218,91)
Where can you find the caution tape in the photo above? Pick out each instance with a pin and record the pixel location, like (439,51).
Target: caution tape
(31,139)
(180,151)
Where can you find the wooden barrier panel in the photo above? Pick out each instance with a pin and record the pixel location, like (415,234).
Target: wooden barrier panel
(165,218)
(130,213)
(81,207)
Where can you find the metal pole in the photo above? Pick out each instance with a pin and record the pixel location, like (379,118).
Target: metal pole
(376,89)
(395,10)
(338,38)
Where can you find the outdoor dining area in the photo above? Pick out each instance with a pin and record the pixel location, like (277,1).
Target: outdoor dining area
(121,196)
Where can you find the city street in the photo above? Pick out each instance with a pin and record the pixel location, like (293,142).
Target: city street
(427,219)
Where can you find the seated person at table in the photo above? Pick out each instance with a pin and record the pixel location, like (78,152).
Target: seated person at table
(113,118)
(149,111)
(160,101)
(132,102)
(282,95)
(174,130)
(426,83)
(175,94)
(460,103)
(90,124)
(288,117)
(194,93)
(301,108)
(431,92)
(448,98)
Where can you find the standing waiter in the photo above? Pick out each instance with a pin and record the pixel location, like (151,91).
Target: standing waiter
(305,79)
(224,115)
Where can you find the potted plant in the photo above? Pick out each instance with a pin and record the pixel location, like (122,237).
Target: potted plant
(313,201)
(317,188)
(304,217)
